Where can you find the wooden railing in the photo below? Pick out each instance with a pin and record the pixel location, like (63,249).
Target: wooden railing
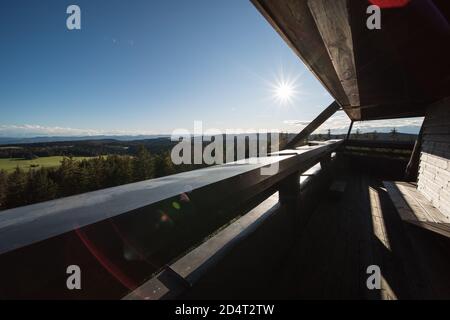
(380,148)
(121,236)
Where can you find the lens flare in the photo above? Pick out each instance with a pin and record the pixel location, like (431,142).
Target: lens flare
(386,4)
(284,89)
(284,93)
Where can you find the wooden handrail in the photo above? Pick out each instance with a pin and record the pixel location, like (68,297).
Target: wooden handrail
(129,232)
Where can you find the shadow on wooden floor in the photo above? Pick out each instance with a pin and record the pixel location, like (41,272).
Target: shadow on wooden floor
(344,236)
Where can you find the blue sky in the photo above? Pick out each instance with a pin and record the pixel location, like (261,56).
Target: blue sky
(146,66)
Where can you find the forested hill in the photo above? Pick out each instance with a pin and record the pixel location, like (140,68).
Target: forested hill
(46,139)
(121,146)
(88,148)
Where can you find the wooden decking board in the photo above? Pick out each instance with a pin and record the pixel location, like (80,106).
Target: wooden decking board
(400,202)
(431,213)
(352,258)
(344,237)
(332,269)
(338,256)
(377,218)
(338,186)
(369,255)
(340,240)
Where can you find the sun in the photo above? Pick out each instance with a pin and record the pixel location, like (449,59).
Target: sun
(284,92)
(284,89)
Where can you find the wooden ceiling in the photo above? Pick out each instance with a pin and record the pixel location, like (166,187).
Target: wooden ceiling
(392,72)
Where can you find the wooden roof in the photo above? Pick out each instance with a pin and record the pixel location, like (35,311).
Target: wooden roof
(392,72)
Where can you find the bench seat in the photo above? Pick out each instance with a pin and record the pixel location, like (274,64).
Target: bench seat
(414,208)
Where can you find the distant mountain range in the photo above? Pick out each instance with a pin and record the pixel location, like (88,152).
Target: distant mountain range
(27,140)
(406,133)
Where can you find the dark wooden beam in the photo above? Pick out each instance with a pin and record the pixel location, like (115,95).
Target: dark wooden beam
(349,130)
(393,72)
(332,20)
(392,111)
(313,125)
(396,109)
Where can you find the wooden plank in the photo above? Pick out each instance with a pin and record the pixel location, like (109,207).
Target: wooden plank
(193,265)
(380,232)
(418,202)
(379,228)
(399,201)
(215,186)
(186,271)
(338,186)
(332,20)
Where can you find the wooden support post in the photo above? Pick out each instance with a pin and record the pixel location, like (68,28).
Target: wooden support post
(412,169)
(313,125)
(289,195)
(325,161)
(349,131)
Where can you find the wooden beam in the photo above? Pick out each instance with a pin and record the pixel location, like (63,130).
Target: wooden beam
(372,74)
(412,169)
(332,20)
(349,130)
(313,125)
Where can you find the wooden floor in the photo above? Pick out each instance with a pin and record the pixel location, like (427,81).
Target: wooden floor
(344,236)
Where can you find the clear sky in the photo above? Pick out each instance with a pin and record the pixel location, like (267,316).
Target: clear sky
(147,66)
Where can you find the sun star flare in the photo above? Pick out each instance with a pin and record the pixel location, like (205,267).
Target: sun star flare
(284,90)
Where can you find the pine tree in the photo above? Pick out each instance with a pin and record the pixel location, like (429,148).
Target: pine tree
(163,165)
(3,187)
(40,186)
(142,165)
(16,193)
(394,134)
(94,172)
(70,178)
(118,170)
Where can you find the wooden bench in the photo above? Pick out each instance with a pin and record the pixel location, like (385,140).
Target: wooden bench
(414,208)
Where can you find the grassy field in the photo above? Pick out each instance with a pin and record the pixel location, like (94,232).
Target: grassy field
(45,162)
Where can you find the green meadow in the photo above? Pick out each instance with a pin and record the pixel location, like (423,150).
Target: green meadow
(9,165)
